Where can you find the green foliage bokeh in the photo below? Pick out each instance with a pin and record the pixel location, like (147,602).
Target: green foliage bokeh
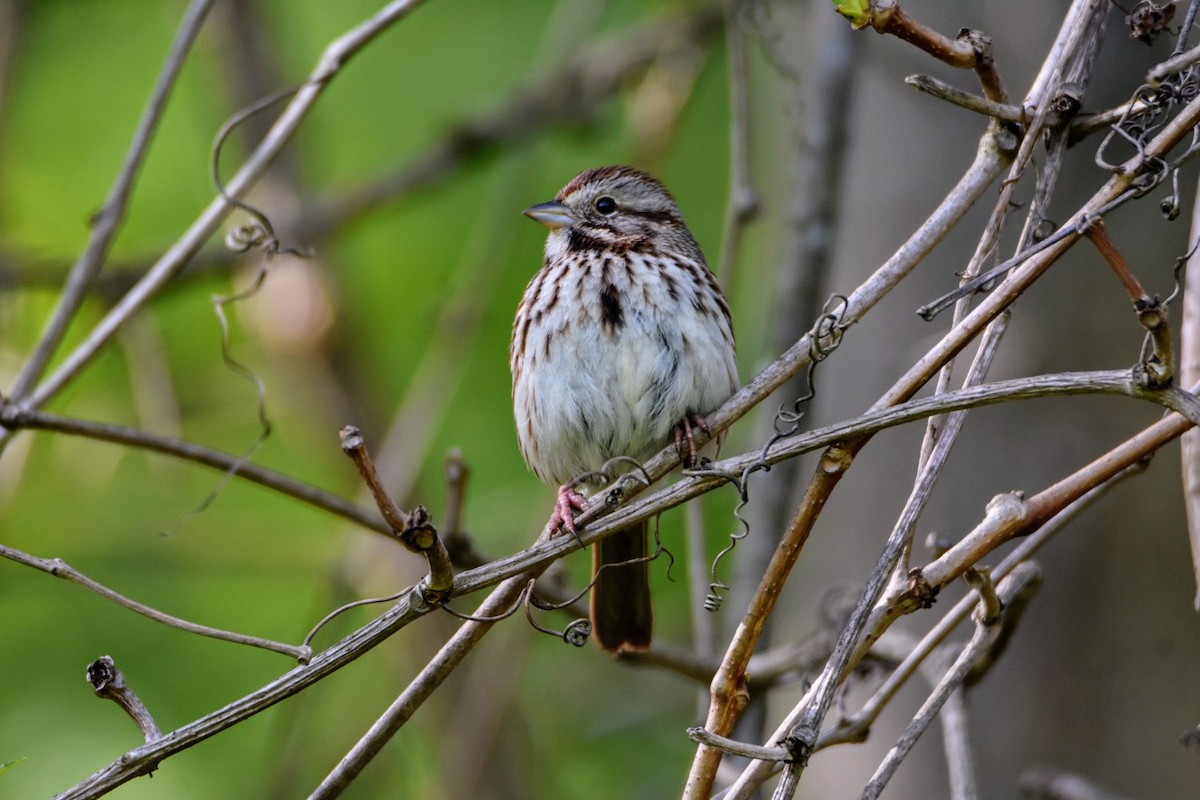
(251,560)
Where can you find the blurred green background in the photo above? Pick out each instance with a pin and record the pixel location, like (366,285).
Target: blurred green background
(399,321)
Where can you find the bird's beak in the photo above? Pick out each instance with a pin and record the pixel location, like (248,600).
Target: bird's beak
(553,215)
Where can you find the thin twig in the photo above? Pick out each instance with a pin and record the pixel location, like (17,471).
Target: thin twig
(701,736)
(1097,234)
(332,60)
(1189,375)
(411,606)
(414,530)
(956,742)
(1172,66)
(108,221)
(743,203)
(1054,784)
(60,569)
(979,644)
(422,686)
(980,105)
(673,658)
(12,418)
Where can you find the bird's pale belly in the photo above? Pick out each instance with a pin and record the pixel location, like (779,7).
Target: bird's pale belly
(606,395)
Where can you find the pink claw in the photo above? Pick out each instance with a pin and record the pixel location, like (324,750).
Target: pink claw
(569,501)
(685,438)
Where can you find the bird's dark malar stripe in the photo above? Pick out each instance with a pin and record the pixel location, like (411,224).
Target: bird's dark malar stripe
(580,242)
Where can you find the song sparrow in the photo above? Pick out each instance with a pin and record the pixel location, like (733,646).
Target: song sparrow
(622,337)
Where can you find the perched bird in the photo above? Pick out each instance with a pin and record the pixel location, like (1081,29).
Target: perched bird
(622,342)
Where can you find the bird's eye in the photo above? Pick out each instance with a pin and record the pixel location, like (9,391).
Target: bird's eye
(606,205)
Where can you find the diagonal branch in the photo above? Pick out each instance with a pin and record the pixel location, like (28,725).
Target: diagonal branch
(534,559)
(333,59)
(108,222)
(12,419)
(836,461)
(60,569)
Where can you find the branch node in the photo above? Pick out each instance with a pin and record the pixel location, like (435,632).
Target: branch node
(990,606)
(1013,595)
(1155,369)
(921,589)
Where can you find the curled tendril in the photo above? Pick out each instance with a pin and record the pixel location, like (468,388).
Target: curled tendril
(545,605)
(1148,110)
(716,587)
(577,632)
(337,612)
(824,337)
(605,474)
(525,592)
(1177,272)
(1170,205)
(660,550)
(265,236)
(1043,229)
(637,475)
(248,236)
(715,596)
(257,234)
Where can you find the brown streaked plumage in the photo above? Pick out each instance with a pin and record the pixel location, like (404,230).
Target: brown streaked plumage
(621,336)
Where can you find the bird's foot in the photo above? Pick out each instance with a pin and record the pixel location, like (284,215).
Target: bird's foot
(685,438)
(569,501)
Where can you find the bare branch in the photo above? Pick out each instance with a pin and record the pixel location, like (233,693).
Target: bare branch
(332,60)
(701,736)
(415,531)
(13,418)
(60,569)
(980,105)
(968,50)
(1189,375)
(856,727)
(137,762)
(108,222)
(985,634)
(1053,784)
(109,683)
(429,679)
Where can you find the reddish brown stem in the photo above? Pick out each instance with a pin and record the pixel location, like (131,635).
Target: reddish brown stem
(1097,234)
(415,531)
(969,50)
